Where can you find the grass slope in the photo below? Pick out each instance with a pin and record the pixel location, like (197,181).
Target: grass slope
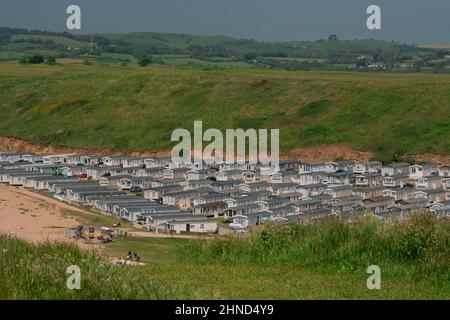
(138,108)
(326,261)
(168,40)
(51,39)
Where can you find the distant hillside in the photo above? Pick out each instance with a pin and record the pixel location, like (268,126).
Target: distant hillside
(436,46)
(330,54)
(138,108)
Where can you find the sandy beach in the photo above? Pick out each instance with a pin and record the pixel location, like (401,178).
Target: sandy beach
(31,216)
(37,218)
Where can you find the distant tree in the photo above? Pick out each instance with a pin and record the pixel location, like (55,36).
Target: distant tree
(36,59)
(145,62)
(333,37)
(51,60)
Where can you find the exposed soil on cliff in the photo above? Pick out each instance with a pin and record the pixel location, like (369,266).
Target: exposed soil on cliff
(429,157)
(307,154)
(329,153)
(20,145)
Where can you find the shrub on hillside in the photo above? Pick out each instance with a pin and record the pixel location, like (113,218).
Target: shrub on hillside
(37,59)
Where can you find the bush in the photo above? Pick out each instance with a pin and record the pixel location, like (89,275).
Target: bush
(145,62)
(51,60)
(32,60)
(36,59)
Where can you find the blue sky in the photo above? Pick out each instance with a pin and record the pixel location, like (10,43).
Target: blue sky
(412,21)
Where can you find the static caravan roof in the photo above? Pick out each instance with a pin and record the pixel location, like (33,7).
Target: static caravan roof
(430,191)
(25,173)
(126,202)
(319,212)
(95,191)
(190,221)
(70,183)
(75,187)
(111,198)
(172,216)
(52,178)
(397,164)
(263,214)
(340,187)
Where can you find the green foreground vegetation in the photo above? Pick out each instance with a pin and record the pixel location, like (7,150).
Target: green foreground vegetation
(126,109)
(318,261)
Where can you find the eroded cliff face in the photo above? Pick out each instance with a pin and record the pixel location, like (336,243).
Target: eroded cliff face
(20,145)
(307,154)
(329,153)
(315,153)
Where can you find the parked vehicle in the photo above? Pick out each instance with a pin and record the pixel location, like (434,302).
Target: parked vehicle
(136,189)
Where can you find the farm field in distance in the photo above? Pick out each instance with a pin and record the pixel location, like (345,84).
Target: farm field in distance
(79,105)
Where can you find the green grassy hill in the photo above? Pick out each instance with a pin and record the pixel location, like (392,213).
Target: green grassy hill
(326,261)
(138,108)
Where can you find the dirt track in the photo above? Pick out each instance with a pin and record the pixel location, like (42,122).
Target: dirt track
(37,218)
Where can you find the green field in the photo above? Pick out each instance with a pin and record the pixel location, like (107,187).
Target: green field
(186,60)
(326,261)
(152,251)
(298,59)
(11,55)
(51,38)
(138,108)
(170,39)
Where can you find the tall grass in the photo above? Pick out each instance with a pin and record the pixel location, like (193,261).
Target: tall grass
(324,260)
(419,245)
(38,271)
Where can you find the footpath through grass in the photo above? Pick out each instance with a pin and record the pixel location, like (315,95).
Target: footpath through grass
(319,261)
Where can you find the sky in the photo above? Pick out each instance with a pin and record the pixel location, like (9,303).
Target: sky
(409,21)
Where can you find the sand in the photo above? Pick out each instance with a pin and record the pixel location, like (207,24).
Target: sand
(37,218)
(32,216)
